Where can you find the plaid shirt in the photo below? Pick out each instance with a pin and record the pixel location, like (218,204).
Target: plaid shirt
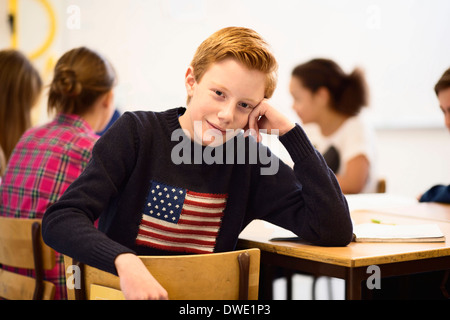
(44,163)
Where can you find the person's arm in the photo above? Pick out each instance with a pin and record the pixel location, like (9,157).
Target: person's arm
(438,193)
(68,225)
(307,200)
(355,177)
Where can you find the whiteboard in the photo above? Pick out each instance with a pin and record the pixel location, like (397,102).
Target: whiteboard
(403,46)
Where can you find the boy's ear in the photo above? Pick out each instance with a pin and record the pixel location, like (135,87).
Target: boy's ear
(189,81)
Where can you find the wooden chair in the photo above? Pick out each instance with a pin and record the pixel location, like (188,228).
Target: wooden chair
(21,246)
(216,276)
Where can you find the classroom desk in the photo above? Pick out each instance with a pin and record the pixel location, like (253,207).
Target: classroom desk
(351,262)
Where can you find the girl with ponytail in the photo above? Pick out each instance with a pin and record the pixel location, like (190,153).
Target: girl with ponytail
(324,95)
(47,159)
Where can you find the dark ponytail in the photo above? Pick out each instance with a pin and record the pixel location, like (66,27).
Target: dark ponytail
(354,94)
(348,93)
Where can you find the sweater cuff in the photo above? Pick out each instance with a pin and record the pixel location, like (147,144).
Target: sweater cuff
(297,143)
(105,255)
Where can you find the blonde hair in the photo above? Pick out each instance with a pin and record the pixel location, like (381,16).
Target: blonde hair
(20,88)
(81,76)
(243,44)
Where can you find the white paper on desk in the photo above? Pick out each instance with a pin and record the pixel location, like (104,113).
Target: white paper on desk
(280,232)
(268,229)
(375,232)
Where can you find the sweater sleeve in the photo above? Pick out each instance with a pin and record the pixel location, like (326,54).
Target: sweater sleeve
(438,193)
(68,225)
(306,199)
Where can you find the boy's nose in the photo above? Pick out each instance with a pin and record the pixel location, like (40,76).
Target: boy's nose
(226,114)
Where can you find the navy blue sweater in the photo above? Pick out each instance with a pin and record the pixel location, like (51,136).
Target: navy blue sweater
(151,204)
(438,193)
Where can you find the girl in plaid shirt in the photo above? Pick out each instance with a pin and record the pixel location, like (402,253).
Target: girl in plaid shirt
(49,158)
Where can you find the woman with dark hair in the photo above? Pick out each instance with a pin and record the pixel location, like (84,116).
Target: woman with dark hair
(328,97)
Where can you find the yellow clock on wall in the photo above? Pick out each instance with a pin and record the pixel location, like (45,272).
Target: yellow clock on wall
(40,52)
(51,32)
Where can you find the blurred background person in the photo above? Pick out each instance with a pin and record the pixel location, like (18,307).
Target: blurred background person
(441,193)
(20,89)
(324,95)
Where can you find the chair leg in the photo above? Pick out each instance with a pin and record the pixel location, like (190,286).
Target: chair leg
(443,284)
(313,288)
(38,264)
(330,288)
(289,283)
(80,294)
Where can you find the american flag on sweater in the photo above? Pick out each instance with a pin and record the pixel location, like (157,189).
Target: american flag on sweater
(177,219)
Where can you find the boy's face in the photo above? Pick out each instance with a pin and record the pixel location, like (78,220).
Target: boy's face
(221,101)
(444,102)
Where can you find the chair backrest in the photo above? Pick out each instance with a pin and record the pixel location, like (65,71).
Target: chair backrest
(216,276)
(21,246)
(381,186)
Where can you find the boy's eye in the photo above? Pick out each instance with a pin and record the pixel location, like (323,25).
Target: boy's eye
(219,93)
(245,105)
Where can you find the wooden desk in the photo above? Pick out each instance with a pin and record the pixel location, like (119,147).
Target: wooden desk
(350,263)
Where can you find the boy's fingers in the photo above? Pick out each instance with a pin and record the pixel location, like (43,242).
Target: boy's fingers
(253,127)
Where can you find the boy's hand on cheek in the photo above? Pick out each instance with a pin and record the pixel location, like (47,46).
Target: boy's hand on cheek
(265,117)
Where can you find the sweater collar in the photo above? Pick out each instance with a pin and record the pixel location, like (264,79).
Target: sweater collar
(172,118)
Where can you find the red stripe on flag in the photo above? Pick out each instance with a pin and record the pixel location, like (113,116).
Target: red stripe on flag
(207,195)
(182,231)
(172,248)
(202,214)
(199,223)
(205,205)
(176,239)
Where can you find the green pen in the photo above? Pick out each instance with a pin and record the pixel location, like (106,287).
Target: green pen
(379,222)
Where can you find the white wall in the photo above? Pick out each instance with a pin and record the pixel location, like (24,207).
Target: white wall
(412,160)
(403,46)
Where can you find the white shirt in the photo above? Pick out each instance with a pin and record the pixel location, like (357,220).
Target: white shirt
(354,137)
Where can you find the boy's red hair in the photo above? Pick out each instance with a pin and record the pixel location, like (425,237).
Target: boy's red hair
(243,44)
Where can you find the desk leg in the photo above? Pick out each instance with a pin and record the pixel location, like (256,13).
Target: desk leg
(267,273)
(353,283)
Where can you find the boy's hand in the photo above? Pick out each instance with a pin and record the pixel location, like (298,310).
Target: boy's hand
(136,282)
(264,116)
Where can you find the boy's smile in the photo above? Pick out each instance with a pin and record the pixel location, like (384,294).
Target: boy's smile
(221,101)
